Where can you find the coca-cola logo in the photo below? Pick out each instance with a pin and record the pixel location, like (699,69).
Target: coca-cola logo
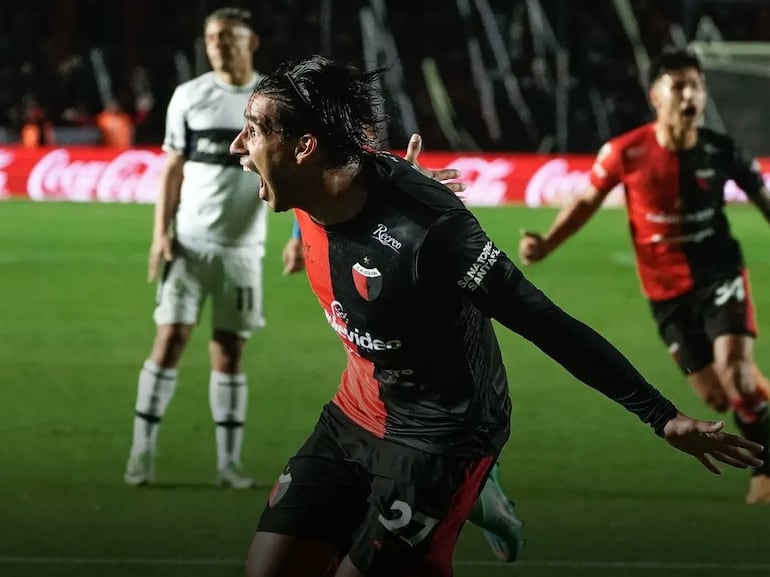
(6,158)
(132,176)
(555,184)
(486,180)
(101,175)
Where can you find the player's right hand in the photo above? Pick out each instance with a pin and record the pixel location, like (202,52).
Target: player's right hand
(161,250)
(532,247)
(293,257)
(707,442)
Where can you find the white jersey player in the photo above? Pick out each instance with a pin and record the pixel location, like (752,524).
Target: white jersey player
(209,235)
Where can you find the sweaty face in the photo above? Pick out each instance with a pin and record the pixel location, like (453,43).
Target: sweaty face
(264,150)
(229,45)
(679,98)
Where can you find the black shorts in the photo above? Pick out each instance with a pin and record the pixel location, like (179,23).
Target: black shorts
(689,323)
(393,509)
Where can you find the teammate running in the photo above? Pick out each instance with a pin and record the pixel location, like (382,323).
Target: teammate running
(690,265)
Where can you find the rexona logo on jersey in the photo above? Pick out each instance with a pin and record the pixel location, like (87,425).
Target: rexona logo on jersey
(337,321)
(368,281)
(479,269)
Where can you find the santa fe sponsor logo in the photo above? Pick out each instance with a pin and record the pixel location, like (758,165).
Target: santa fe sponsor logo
(381,234)
(336,319)
(479,269)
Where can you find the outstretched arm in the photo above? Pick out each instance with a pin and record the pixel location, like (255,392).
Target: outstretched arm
(596,362)
(534,247)
(458,255)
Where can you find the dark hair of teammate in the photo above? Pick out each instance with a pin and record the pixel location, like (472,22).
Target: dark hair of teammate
(672,59)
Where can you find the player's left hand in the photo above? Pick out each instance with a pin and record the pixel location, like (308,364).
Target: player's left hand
(444,176)
(706,441)
(293,257)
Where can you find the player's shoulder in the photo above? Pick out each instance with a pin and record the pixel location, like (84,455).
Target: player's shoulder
(416,195)
(205,80)
(636,137)
(627,146)
(713,142)
(195,87)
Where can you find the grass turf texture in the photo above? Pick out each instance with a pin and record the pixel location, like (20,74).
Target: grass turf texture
(599,493)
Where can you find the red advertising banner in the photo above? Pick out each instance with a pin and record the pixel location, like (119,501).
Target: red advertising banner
(85,174)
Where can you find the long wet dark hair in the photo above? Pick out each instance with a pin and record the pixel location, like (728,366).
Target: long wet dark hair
(337,103)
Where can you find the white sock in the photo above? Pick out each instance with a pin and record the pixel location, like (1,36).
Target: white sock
(154,391)
(228,398)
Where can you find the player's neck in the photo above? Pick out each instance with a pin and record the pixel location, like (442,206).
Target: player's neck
(342,197)
(675,138)
(236,77)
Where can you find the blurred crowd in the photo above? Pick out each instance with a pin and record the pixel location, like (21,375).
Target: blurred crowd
(520,75)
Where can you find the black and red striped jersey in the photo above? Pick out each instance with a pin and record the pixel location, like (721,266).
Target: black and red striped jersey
(675,202)
(409,285)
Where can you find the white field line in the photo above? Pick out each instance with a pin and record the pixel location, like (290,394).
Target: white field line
(566,564)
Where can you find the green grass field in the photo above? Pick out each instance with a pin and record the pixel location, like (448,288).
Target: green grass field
(600,494)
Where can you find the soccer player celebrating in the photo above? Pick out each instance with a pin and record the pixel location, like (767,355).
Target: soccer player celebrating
(209,235)
(691,268)
(493,512)
(409,281)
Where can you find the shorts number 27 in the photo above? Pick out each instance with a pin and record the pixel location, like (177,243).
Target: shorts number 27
(409,526)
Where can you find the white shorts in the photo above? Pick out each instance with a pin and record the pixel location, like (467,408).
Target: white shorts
(232,277)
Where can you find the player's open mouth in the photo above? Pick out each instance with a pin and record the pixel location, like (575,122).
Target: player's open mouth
(689,110)
(247,165)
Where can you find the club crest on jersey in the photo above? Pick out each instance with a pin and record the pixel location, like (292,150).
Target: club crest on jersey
(368,281)
(280,488)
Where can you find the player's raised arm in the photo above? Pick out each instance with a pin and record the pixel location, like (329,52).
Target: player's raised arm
(166,205)
(605,175)
(534,247)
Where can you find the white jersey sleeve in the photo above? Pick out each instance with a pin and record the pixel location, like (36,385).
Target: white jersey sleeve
(175,138)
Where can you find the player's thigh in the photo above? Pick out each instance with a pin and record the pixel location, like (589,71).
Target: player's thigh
(412,526)
(274,555)
(734,363)
(682,329)
(181,289)
(236,295)
(728,309)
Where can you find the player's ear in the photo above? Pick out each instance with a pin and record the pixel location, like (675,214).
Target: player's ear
(306,146)
(654,95)
(254,43)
